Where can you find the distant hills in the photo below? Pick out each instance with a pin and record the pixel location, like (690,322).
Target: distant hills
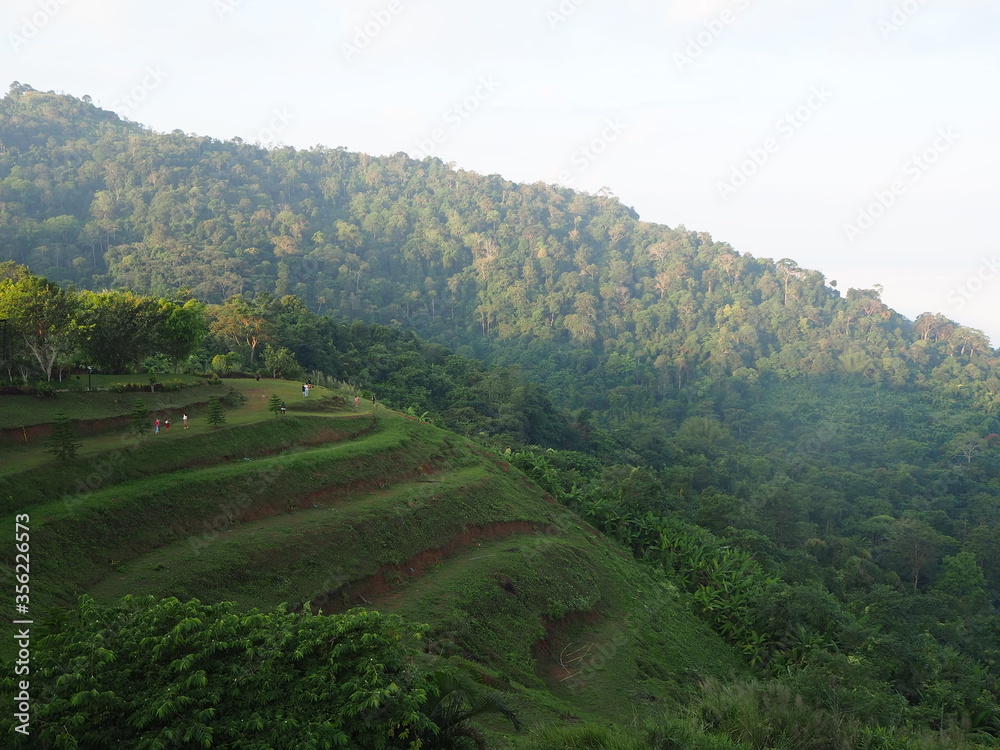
(534,274)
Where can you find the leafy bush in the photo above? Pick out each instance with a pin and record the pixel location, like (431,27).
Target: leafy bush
(147,673)
(234,397)
(45,390)
(167,385)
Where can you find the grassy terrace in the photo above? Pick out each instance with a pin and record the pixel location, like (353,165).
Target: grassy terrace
(333,507)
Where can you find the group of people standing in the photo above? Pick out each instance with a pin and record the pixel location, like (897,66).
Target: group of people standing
(166,424)
(306,387)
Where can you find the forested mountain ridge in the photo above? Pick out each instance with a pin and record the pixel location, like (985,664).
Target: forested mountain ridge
(818,473)
(559,281)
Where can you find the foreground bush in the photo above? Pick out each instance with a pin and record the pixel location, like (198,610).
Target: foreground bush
(149,674)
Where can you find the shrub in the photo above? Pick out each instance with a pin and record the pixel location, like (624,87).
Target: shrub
(169,385)
(145,673)
(45,390)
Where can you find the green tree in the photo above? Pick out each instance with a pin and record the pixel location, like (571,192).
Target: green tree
(216,415)
(915,547)
(124,328)
(182,330)
(243,323)
(453,701)
(281,362)
(62,439)
(968,445)
(961,579)
(274,404)
(43,316)
(138,418)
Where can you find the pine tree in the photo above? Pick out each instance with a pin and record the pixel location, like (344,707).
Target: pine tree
(62,439)
(216,414)
(138,424)
(274,404)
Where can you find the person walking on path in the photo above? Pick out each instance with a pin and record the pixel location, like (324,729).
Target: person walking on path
(305,391)
(156,425)
(184,419)
(373,401)
(356,402)
(166,425)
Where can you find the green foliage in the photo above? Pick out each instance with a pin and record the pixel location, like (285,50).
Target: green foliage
(668,734)
(167,385)
(148,673)
(771,716)
(281,363)
(62,439)
(454,700)
(216,414)
(41,318)
(138,418)
(45,390)
(124,328)
(227,364)
(234,397)
(962,580)
(274,404)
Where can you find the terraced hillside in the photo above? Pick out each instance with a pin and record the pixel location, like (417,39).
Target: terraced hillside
(332,507)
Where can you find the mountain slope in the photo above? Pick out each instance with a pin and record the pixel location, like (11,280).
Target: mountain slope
(569,285)
(337,508)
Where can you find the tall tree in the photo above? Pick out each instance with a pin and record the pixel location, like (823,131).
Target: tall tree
(243,323)
(124,329)
(216,415)
(62,441)
(915,547)
(182,330)
(43,316)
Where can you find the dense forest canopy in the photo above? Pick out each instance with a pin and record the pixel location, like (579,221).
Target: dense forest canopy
(562,282)
(817,471)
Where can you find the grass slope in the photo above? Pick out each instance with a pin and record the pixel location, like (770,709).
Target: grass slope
(333,507)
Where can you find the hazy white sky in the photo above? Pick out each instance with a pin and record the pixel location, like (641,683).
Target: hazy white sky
(858,137)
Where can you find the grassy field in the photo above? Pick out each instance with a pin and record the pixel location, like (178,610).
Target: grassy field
(332,507)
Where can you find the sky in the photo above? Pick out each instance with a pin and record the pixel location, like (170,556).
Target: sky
(860,138)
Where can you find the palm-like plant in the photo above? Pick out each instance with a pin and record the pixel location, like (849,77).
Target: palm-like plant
(453,701)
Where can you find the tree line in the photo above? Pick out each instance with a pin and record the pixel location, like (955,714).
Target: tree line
(603,308)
